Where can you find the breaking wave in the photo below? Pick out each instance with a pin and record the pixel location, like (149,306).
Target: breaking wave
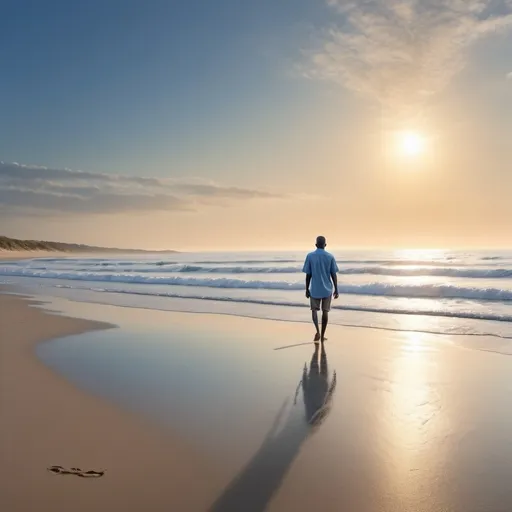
(373,289)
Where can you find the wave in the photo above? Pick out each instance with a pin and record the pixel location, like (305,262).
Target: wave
(190,269)
(432,291)
(384,262)
(388,267)
(472,273)
(405,271)
(396,311)
(501,273)
(341,261)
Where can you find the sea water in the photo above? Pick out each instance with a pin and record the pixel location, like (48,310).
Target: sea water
(452,292)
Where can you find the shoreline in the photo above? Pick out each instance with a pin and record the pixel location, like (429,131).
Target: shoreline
(8,255)
(26,255)
(412,415)
(47,421)
(29,255)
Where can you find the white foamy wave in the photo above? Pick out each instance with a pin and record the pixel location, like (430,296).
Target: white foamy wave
(397,271)
(473,315)
(418,271)
(470,273)
(191,269)
(373,289)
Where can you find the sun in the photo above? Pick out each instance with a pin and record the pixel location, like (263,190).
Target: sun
(412,144)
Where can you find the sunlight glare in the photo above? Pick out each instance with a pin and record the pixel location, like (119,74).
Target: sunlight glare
(412,144)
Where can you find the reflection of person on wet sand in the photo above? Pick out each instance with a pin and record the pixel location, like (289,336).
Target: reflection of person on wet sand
(316,390)
(254,487)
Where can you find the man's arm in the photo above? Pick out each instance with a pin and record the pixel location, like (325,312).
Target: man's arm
(308,282)
(334,278)
(307,271)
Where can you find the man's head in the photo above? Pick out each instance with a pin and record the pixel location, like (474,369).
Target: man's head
(321,243)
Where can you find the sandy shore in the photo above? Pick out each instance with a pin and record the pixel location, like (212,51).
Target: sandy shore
(418,422)
(46,421)
(25,255)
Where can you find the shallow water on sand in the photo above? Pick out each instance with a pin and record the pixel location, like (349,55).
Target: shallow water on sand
(452,292)
(410,422)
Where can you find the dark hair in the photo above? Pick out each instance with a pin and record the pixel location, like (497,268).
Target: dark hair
(321,242)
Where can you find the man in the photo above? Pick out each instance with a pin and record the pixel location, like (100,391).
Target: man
(321,274)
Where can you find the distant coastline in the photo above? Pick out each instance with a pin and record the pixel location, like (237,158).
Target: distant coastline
(14,244)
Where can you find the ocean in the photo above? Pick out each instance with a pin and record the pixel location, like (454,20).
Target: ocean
(445,292)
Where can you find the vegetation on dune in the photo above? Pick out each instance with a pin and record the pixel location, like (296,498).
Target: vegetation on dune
(13,244)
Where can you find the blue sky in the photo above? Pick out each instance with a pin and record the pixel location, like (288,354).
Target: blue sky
(132,86)
(251,115)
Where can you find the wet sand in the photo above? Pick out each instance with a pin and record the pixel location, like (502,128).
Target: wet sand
(24,255)
(224,414)
(46,421)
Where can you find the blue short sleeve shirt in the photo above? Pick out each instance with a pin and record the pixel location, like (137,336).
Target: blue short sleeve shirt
(320,265)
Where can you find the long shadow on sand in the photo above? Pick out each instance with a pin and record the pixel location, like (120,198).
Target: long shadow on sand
(254,487)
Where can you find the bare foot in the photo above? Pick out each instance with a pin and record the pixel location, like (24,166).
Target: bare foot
(324,340)
(317,338)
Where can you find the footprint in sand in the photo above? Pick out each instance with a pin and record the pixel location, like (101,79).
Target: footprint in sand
(59,470)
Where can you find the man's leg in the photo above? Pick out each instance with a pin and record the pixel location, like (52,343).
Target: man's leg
(314,314)
(325,321)
(315,308)
(326,307)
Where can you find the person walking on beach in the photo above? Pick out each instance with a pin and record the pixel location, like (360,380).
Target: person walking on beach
(321,275)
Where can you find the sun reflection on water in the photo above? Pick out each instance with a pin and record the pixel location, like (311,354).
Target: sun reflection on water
(413,412)
(420,254)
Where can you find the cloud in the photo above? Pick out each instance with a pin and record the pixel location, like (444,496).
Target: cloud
(509,76)
(34,188)
(400,53)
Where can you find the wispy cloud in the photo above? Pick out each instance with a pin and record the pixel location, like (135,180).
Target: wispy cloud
(75,192)
(400,53)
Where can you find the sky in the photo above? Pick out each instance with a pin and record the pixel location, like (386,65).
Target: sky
(257,125)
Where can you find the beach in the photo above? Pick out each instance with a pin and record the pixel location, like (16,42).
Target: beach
(254,256)
(22,255)
(46,421)
(202,412)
